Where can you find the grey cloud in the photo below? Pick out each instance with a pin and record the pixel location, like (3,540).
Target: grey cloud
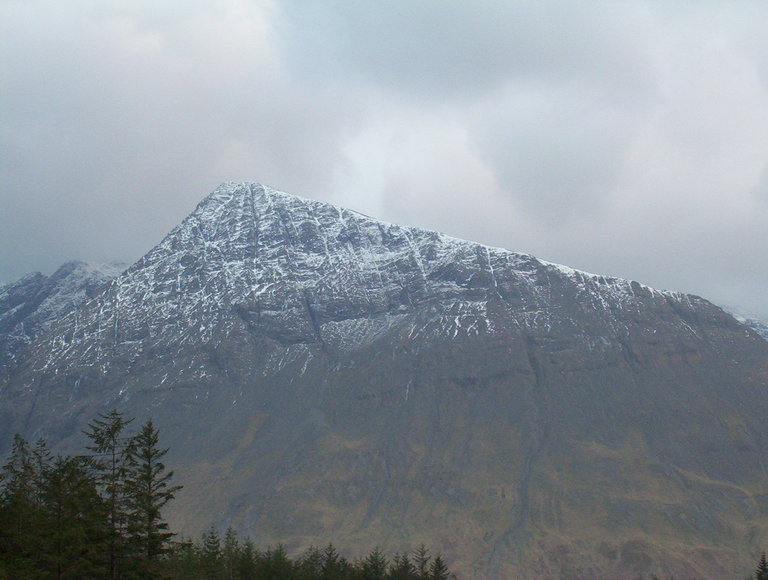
(557,151)
(623,138)
(439,49)
(116,128)
(760,190)
(556,89)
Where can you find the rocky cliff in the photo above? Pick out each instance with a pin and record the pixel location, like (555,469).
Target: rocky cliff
(32,304)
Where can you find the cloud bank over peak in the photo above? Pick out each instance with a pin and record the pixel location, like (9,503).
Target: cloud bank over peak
(626,138)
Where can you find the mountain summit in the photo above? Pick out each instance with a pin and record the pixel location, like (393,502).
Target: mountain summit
(324,376)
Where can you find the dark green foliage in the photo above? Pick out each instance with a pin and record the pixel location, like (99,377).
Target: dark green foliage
(52,518)
(210,555)
(309,564)
(20,513)
(147,491)
(402,568)
(275,564)
(373,566)
(334,566)
(73,523)
(438,570)
(230,554)
(421,560)
(109,462)
(192,562)
(246,560)
(184,561)
(761,572)
(94,516)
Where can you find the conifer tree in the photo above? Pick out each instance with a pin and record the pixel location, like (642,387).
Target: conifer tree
(210,554)
(59,517)
(374,566)
(247,558)
(401,568)
(18,481)
(109,461)
(20,508)
(274,564)
(421,560)
(148,490)
(41,459)
(761,573)
(335,566)
(183,563)
(230,554)
(74,521)
(438,570)
(310,563)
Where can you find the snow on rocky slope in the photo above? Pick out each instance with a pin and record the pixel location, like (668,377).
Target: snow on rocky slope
(30,305)
(303,272)
(758,326)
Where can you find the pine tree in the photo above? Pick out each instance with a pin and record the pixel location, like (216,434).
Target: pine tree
(310,563)
(21,509)
(211,555)
(761,573)
(274,564)
(335,566)
(40,460)
(18,487)
(147,492)
(401,568)
(74,521)
(183,561)
(374,566)
(230,554)
(421,560)
(109,461)
(246,561)
(438,570)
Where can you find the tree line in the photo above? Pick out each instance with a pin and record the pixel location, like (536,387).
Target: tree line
(99,515)
(230,558)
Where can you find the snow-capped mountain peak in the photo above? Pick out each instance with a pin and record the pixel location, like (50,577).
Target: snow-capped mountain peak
(296,271)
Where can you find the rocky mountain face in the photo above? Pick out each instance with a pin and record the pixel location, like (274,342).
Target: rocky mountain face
(30,305)
(758,326)
(323,376)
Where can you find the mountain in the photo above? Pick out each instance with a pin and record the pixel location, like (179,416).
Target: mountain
(320,375)
(30,305)
(758,326)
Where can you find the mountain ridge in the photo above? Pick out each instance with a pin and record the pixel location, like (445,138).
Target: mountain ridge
(31,304)
(221,239)
(321,375)
(208,206)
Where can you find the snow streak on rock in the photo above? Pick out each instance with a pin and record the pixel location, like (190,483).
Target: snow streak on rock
(29,306)
(304,272)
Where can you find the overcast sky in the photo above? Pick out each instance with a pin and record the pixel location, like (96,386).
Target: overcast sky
(622,138)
